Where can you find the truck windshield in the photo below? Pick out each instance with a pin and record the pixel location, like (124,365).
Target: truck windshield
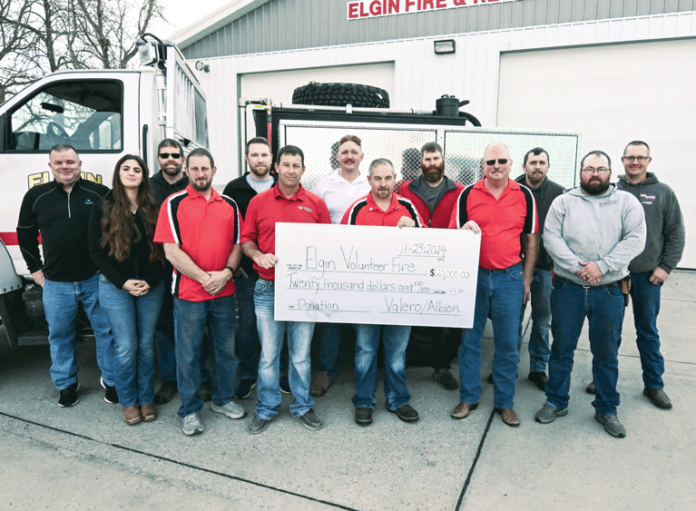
(86,114)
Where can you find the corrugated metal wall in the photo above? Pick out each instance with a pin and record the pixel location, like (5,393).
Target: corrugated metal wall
(283,25)
(470,73)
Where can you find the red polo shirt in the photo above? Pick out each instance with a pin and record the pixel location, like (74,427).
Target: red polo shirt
(366,212)
(206,230)
(271,207)
(501,221)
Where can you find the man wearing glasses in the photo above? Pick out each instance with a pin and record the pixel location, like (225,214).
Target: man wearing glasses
(500,210)
(663,250)
(592,233)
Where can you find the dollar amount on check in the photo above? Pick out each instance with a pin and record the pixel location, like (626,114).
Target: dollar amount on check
(376,275)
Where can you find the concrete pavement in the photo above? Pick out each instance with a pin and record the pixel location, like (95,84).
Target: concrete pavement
(85,457)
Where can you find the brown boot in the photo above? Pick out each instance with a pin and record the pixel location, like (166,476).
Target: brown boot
(131,415)
(148,412)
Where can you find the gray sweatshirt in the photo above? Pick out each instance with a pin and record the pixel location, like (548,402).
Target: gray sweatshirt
(663,217)
(608,229)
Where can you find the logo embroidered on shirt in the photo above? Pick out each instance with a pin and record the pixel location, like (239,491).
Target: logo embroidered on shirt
(305,208)
(89,202)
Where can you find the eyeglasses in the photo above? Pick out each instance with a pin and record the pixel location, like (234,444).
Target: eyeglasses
(501,161)
(592,170)
(164,156)
(640,159)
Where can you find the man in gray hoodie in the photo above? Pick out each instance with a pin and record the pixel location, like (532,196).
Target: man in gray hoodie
(663,250)
(592,233)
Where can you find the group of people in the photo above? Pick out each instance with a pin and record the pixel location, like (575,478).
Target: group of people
(158,264)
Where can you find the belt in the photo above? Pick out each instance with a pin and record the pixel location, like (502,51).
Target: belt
(587,286)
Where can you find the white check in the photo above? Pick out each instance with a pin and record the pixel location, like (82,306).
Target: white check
(376,275)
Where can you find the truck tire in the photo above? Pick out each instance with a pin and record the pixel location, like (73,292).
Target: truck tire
(341,94)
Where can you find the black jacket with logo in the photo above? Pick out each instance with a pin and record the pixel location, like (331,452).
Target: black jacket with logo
(61,218)
(241,192)
(544,195)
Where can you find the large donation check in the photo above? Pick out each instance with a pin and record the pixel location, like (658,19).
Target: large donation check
(376,275)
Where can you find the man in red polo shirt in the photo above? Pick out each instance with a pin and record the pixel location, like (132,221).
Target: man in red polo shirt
(500,210)
(200,231)
(288,202)
(382,207)
(434,195)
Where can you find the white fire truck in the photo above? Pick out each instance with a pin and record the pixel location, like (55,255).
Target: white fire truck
(108,113)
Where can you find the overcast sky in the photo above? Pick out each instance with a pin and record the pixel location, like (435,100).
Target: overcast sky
(180,15)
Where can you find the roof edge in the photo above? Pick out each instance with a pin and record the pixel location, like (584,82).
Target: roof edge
(214,21)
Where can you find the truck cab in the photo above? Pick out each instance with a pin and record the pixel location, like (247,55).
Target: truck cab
(104,114)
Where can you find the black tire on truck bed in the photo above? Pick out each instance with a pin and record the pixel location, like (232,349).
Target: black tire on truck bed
(341,94)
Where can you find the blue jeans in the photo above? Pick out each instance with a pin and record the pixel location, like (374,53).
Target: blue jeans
(395,342)
(330,343)
(248,334)
(61,301)
(539,346)
(271,334)
(190,319)
(132,321)
(164,338)
(499,292)
(646,306)
(604,308)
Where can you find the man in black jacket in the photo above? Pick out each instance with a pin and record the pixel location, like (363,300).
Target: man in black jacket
(536,165)
(59,211)
(242,190)
(171,179)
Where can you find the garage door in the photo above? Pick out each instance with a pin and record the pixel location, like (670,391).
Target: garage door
(613,94)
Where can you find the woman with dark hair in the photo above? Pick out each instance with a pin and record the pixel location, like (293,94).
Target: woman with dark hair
(121,229)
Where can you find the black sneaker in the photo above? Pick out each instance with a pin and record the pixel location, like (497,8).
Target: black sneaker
(311,420)
(406,413)
(244,389)
(204,391)
(445,378)
(591,389)
(257,425)
(110,395)
(363,416)
(285,386)
(539,379)
(658,398)
(69,397)
(166,392)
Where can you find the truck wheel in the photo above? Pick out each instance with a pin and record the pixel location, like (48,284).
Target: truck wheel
(341,94)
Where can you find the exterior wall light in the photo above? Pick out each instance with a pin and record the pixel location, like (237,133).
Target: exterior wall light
(445,46)
(202,66)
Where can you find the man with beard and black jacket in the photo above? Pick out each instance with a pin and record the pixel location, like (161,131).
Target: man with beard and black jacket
(242,190)
(434,195)
(171,179)
(536,165)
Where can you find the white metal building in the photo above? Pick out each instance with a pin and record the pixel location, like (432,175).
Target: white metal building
(614,70)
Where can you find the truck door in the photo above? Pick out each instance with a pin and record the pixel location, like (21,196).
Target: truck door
(95,112)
